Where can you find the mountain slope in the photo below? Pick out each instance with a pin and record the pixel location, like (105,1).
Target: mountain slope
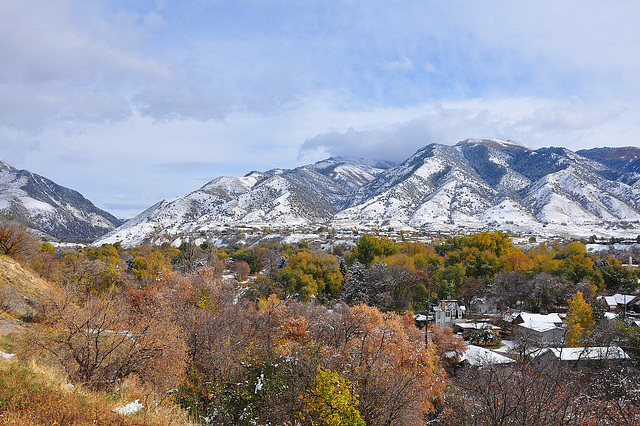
(475,184)
(623,163)
(21,294)
(51,209)
(479,182)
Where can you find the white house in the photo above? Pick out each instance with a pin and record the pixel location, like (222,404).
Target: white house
(608,301)
(542,330)
(447,312)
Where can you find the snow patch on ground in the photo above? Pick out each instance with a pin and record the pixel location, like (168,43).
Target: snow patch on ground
(6,356)
(508,210)
(130,408)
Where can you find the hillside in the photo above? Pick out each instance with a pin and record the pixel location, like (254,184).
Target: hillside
(477,184)
(21,295)
(51,209)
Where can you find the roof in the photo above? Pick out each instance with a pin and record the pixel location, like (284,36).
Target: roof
(587,353)
(540,322)
(623,299)
(609,300)
(479,357)
(545,318)
(449,305)
(540,327)
(477,325)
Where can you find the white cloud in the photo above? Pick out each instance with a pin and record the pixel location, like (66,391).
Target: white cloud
(404,64)
(535,122)
(108,90)
(430,68)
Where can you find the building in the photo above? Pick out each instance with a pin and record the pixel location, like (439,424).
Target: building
(540,329)
(609,302)
(447,312)
(476,356)
(581,356)
(620,302)
(483,305)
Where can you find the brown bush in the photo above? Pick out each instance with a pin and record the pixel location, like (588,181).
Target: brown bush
(101,342)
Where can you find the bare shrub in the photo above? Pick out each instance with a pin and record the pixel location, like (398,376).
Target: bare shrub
(100,342)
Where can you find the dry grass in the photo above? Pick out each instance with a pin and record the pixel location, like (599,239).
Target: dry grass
(32,394)
(21,292)
(38,393)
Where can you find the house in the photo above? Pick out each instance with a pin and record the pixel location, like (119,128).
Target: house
(540,329)
(468,327)
(483,305)
(626,301)
(528,318)
(447,312)
(477,356)
(582,355)
(422,320)
(609,302)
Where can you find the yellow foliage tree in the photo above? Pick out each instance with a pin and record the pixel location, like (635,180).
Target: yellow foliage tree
(580,321)
(333,401)
(518,261)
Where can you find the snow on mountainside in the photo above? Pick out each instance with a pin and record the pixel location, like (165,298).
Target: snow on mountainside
(277,197)
(51,209)
(475,184)
(351,172)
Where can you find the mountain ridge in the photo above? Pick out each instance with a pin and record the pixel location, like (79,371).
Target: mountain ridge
(50,209)
(474,184)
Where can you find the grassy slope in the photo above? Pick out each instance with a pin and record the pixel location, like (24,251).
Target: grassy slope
(29,397)
(20,294)
(38,395)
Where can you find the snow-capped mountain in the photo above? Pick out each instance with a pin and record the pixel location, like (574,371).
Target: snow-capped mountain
(51,209)
(476,184)
(351,172)
(305,195)
(501,184)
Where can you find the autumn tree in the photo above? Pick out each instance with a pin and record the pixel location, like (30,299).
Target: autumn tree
(149,263)
(447,346)
(97,342)
(74,269)
(396,375)
(15,241)
(106,253)
(333,400)
(309,274)
(518,261)
(241,270)
(580,321)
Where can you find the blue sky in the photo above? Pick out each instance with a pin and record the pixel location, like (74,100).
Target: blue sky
(130,102)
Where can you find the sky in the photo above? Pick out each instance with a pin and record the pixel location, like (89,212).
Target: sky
(133,101)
